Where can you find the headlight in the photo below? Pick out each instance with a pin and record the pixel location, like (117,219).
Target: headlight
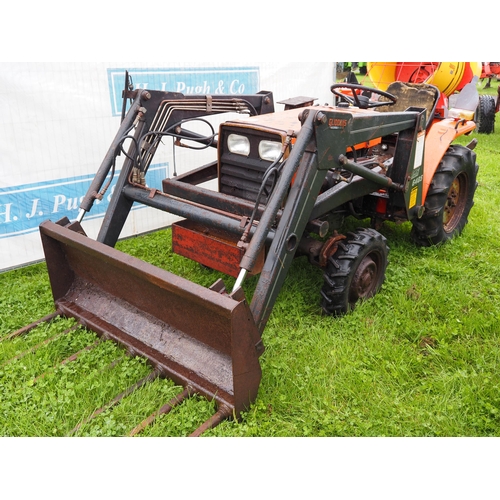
(238,144)
(269,150)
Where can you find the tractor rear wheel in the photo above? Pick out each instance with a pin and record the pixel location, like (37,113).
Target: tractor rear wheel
(485,114)
(355,271)
(449,199)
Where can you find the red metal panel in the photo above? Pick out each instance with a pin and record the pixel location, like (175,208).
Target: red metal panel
(211,247)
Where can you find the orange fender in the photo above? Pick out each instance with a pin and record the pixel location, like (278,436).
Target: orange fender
(438,139)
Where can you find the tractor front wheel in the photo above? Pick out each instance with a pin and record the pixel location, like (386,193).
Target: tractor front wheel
(355,271)
(449,199)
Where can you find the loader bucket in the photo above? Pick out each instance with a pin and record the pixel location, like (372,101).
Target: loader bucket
(202,338)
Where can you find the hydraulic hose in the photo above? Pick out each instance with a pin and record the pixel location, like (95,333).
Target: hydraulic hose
(126,125)
(278,195)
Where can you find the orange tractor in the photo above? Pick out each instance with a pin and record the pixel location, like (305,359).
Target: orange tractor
(286,180)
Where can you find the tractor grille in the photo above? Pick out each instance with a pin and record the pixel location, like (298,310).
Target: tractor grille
(240,175)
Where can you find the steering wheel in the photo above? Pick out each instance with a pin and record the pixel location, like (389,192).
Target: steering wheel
(362,101)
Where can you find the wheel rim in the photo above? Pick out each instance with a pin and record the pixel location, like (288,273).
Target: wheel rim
(365,280)
(455,203)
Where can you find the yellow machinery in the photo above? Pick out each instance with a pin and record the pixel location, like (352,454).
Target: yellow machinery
(448,77)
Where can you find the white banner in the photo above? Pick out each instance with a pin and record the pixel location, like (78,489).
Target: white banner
(59,119)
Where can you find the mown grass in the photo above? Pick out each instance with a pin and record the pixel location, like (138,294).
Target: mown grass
(419,359)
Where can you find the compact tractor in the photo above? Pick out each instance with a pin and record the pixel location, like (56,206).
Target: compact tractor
(285,182)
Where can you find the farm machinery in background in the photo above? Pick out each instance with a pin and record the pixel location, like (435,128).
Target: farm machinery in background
(490,70)
(488,106)
(285,183)
(449,77)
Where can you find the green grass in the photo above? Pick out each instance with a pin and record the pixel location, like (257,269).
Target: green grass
(421,358)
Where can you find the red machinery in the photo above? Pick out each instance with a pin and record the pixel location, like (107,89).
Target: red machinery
(449,77)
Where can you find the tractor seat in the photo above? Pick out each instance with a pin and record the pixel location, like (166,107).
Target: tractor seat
(417,95)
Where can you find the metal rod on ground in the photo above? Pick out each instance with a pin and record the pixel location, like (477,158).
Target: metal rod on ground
(27,328)
(223,413)
(41,344)
(152,376)
(162,411)
(69,359)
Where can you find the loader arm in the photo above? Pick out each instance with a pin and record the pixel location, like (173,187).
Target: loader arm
(320,146)
(152,116)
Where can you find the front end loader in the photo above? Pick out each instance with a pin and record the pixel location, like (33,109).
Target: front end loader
(285,182)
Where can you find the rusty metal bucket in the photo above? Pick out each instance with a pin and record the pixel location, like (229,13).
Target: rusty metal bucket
(201,338)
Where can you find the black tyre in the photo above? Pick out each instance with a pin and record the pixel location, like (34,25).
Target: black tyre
(449,199)
(355,272)
(485,114)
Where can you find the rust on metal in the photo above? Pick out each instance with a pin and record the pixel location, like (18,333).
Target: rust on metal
(69,359)
(198,337)
(41,344)
(223,413)
(329,249)
(257,221)
(212,247)
(148,378)
(31,326)
(166,408)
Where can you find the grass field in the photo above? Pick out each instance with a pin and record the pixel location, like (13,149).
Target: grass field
(421,358)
